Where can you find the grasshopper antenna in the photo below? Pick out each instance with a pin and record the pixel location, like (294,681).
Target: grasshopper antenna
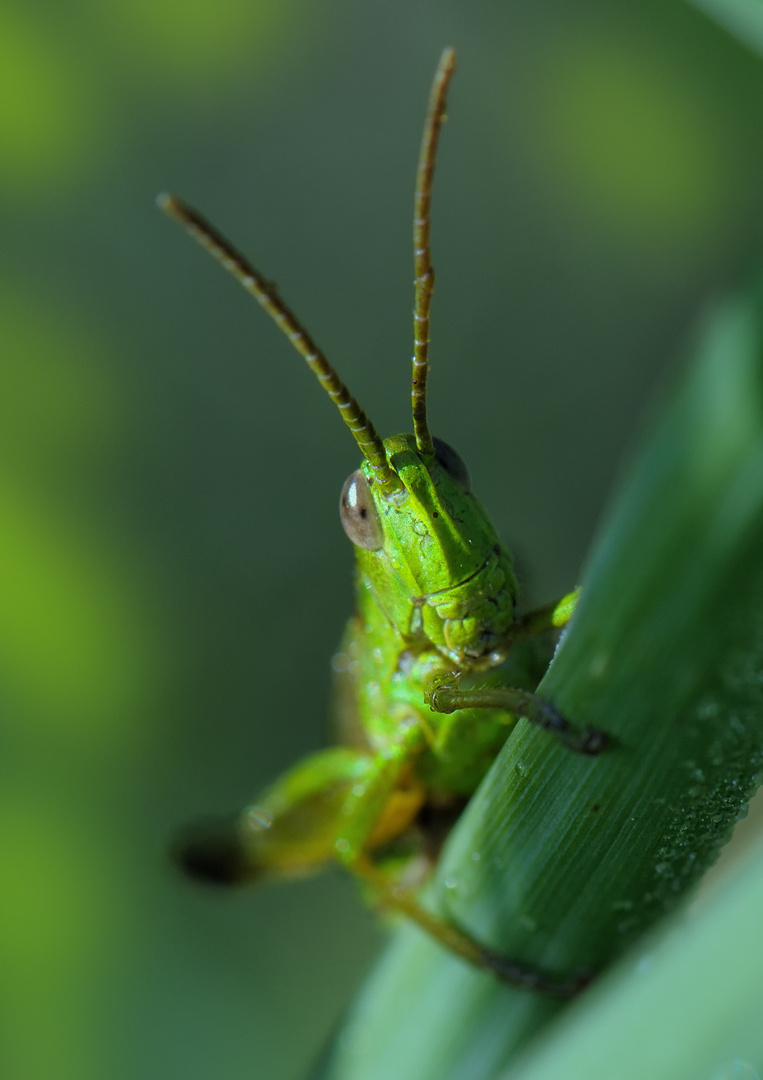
(266,294)
(422,257)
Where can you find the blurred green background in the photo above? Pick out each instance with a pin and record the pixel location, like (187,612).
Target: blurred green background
(173,575)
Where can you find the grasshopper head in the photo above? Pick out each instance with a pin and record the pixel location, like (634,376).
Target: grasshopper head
(429,553)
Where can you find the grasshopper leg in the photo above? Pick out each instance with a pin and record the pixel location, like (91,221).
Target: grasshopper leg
(340,806)
(549,617)
(447,698)
(396,898)
(329,807)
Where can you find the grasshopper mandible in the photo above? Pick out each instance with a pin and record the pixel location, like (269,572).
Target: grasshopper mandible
(436,601)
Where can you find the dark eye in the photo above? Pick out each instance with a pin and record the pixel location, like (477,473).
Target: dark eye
(359,517)
(454,466)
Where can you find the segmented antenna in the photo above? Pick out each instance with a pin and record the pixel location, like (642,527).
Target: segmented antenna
(422,259)
(266,294)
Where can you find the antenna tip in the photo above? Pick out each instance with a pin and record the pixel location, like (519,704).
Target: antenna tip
(178,210)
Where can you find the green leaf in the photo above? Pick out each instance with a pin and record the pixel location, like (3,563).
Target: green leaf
(697,993)
(564,862)
(742,18)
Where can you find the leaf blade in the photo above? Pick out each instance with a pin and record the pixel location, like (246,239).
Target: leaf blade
(563,861)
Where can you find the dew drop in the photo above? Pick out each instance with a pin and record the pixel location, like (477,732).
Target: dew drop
(257,819)
(599,665)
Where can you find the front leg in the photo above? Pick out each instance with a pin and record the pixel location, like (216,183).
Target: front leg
(550,617)
(446,697)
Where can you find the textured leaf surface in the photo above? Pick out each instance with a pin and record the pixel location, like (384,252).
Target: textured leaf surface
(697,993)
(564,862)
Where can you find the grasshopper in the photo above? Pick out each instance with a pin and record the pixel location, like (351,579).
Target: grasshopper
(436,603)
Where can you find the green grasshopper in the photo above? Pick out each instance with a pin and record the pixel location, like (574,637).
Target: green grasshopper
(436,602)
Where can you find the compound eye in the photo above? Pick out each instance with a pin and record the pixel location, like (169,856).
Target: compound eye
(360,519)
(454,466)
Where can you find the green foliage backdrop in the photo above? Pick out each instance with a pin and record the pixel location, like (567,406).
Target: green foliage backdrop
(172,569)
